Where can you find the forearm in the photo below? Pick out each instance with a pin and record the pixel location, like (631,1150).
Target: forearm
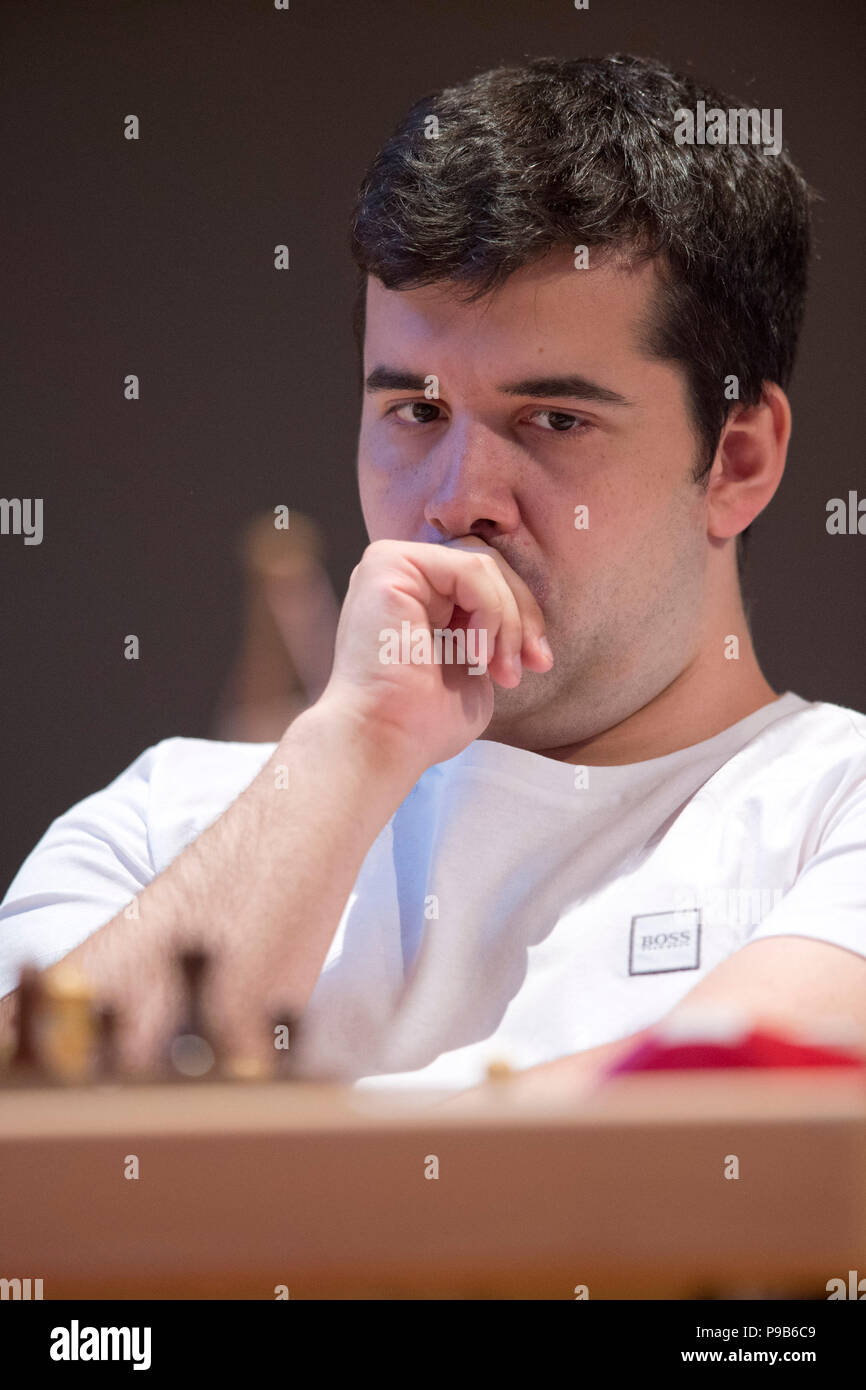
(262,889)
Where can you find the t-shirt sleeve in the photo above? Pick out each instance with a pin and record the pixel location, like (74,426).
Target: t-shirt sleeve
(89,864)
(828,899)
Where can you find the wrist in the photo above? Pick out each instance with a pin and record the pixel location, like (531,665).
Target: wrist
(341,731)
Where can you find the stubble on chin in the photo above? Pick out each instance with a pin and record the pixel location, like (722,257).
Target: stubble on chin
(521,714)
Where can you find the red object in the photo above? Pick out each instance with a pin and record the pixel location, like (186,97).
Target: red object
(754,1049)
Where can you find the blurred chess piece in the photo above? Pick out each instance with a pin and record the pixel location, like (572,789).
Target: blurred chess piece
(249,1069)
(285,1031)
(289,629)
(499,1070)
(69,1032)
(106,1066)
(26,1063)
(192,1054)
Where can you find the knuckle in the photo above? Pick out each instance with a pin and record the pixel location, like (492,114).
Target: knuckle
(473,562)
(376,553)
(375,550)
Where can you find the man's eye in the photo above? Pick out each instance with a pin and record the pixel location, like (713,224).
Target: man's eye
(418,409)
(560,421)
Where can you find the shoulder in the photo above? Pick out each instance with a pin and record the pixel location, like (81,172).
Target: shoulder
(815,742)
(211,764)
(154,806)
(184,784)
(833,724)
(824,748)
(185,769)
(802,773)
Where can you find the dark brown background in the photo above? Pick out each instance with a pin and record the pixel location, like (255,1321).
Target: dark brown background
(155,257)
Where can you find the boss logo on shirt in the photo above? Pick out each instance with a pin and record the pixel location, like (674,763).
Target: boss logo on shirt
(664,941)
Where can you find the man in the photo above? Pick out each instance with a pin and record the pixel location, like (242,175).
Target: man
(577,335)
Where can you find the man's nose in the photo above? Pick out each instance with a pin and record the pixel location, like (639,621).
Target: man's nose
(472,483)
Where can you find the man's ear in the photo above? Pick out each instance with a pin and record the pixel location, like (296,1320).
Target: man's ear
(749,462)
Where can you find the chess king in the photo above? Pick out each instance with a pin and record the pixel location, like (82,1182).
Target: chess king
(437,868)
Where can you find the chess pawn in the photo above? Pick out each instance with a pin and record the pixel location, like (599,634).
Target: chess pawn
(192,1054)
(69,1031)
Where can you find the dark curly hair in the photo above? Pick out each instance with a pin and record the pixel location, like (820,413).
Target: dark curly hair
(582,151)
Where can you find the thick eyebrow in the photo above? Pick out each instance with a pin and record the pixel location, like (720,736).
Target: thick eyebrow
(579,388)
(393,379)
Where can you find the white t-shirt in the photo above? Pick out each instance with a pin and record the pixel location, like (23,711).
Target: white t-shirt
(514,907)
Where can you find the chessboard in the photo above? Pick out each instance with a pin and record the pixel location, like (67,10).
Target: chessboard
(218,1181)
(258,1191)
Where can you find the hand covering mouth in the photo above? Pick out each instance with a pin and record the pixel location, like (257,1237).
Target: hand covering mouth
(533,580)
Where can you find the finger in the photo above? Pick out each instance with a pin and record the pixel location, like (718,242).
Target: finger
(473,581)
(535,652)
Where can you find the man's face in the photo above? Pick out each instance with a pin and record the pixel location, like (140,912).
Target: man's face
(508,452)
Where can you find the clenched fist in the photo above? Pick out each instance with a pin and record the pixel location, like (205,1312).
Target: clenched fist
(400,676)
